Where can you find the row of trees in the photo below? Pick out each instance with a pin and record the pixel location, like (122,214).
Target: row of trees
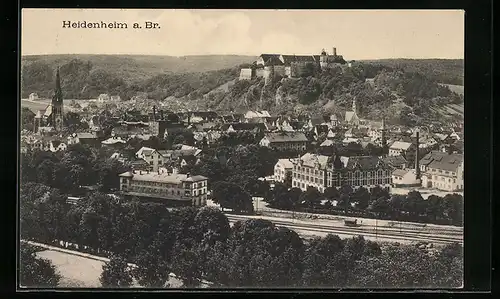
(79,165)
(198,244)
(375,203)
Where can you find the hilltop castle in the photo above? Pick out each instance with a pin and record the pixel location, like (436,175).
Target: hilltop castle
(289,66)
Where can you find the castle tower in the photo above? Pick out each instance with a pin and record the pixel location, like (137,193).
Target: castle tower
(323,59)
(57,105)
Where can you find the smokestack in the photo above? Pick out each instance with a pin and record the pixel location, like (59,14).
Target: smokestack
(417,158)
(334,51)
(154,113)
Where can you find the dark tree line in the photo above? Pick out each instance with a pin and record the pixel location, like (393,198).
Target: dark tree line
(79,165)
(199,244)
(377,204)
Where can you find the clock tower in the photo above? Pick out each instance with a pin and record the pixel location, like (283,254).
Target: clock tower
(57,105)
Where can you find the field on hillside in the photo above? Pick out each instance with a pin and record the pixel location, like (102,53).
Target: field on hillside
(455,88)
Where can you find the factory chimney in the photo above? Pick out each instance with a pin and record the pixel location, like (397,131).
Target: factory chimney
(417,158)
(154,113)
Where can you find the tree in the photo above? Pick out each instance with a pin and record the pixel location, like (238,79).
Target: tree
(311,198)
(211,225)
(331,193)
(186,263)
(232,196)
(324,264)
(116,273)
(34,271)
(153,266)
(362,198)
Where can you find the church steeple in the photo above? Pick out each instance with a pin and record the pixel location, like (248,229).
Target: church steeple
(57,105)
(58,96)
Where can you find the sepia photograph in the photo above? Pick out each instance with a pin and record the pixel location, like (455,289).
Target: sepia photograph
(165,149)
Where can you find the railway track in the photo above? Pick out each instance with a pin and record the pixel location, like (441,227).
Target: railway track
(383,233)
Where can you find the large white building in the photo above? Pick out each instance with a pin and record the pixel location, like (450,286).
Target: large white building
(283,168)
(310,170)
(171,188)
(400,148)
(285,141)
(442,171)
(322,171)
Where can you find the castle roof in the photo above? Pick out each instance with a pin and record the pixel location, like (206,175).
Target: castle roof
(288,59)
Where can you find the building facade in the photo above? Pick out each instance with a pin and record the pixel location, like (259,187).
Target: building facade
(442,171)
(401,148)
(182,189)
(310,171)
(285,141)
(321,172)
(283,169)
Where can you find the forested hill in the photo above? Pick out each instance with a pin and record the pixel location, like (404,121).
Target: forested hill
(446,71)
(408,91)
(134,68)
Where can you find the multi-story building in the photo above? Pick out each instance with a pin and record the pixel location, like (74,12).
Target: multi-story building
(285,141)
(400,148)
(442,171)
(282,169)
(321,172)
(172,188)
(310,170)
(361,171)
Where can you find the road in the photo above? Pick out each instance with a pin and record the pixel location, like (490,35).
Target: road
(310,229)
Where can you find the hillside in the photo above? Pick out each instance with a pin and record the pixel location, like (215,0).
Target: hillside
(405,91)
(134,68)
(402,97)
(446,71)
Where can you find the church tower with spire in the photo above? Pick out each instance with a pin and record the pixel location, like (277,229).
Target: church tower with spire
(57,105)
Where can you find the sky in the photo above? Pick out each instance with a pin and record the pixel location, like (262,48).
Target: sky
(357,34)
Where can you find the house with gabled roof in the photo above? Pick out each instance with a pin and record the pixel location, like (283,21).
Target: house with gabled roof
(285,141)
(400,148)
(442,171)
